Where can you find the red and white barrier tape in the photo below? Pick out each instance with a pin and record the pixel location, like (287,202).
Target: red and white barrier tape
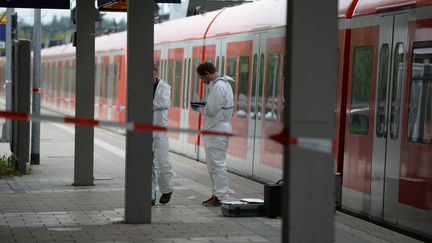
(314,144)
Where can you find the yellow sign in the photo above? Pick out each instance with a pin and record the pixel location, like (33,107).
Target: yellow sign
(3,18)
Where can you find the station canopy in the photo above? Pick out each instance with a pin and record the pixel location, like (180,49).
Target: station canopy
(52,4)
(121,5)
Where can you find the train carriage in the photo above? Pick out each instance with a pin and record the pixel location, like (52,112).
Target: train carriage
(384,103)
(387,158)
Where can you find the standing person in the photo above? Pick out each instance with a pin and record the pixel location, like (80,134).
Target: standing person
(217,113)
(161,163)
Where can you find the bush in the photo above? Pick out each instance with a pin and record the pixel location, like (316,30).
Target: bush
(7,166)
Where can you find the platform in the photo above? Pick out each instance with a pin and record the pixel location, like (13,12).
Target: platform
(44,206)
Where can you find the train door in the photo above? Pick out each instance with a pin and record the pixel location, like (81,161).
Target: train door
(388,114)
(256,101)
(271,160)
(198,52)
(175,79)
(184,116)
(238,51)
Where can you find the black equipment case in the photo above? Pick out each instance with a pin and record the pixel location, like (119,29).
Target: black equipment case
(273,199)
(242,210)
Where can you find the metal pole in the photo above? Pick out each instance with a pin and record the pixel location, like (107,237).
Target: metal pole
(35,137)
(85,89)
(8,73)
(308,192)
(139,157)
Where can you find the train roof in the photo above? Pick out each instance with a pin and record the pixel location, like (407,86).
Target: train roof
(368,7)
(249,17)
(103,43)
(242,18)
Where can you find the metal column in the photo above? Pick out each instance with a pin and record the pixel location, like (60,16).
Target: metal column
(85,89)
(139,154)
(35,137)
(308,194)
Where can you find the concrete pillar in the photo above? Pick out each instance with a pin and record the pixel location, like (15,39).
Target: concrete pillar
(311,81)
(139,154)
(85,89)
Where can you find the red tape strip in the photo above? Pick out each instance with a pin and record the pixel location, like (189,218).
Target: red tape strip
(14,115)
(81,121)
(281,137)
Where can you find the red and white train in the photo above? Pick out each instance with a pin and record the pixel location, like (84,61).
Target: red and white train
(384,125)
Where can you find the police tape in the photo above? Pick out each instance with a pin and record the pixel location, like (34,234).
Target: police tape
(315,144)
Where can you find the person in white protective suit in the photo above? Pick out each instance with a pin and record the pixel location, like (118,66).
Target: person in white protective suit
(217,113)
(161,163)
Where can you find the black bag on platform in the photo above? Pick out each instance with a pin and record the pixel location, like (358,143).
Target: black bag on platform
(242,209)
(273,199)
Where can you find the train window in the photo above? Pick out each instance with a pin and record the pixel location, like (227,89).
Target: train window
(190,74)
(195,81)
(420,100)
(260,88)
(65,78)
(110,87)
(206,89)
(232,71)
(98,78)
(253,93)
(186,85)
(210,59)
(170,73)
(185,78)
(272,87)
(53,80)
(73,78)
(396,91)
(158,64)
(178,79)
(223,66)
(360,90)
(382,90)
(162,69)
(282,113)
(105,81)
(50,79)
(242,91)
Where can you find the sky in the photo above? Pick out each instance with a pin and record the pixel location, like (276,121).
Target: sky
(27,15)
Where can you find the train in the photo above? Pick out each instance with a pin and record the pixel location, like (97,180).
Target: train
(384,102)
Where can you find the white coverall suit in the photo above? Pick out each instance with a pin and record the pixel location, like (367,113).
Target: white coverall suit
(162,162)
(217,117)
